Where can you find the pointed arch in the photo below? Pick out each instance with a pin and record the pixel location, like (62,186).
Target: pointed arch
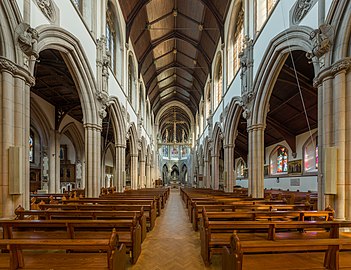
(133,138)
(217,135)
(232,121)
(39,120)
(72,132)
(218,81)
(10,18)
(118,123)
(53,37)
(340,18)
(294,38)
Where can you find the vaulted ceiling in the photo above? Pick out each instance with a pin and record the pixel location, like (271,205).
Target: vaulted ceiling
(175,42)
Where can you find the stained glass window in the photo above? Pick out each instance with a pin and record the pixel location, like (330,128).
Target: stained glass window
(263,9)
(111,36)
(282,160)
(219,82)
(311,156)
(130,80)
(31,147)
(208,101)
(238,42)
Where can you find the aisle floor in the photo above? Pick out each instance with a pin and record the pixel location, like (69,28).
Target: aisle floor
(173,244)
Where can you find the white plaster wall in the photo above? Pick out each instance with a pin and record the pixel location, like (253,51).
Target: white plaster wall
(306,183)
(71,153)
(234,89)
(45,107)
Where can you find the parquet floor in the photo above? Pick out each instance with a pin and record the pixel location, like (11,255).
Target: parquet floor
(173,244)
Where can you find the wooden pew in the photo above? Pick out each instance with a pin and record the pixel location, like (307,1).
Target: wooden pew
(149,206)
(128,231)
(214,234)
(115,256)
(232,258)
(57,213)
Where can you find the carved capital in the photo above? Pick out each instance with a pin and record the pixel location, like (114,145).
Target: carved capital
(7,65)
(341,65)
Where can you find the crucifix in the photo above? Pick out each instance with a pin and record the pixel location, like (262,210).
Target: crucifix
(175,122)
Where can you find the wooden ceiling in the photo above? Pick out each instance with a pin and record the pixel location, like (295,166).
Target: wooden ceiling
(55,84)
(175,42)
(286,118)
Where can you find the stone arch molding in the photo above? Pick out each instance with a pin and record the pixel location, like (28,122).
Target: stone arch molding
(133,138)
(294,38)
(232,120)
(118,123)
(217,135)
(52,37)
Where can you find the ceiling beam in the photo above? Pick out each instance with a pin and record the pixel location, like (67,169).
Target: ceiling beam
(287,134)
(209,4)
(170,66)
(174,35)
(135,11)
(141,3)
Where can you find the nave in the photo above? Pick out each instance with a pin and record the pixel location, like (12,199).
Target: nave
(173,244)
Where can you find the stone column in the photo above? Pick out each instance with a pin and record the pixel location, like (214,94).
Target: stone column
(93,159)
(148,175)
(256,160)
(230,178)
(142,173)
(215,172)
(339,107)
(15,83)
(206,174)
(119,178)
(134,171)
(53,157)
(325,136)
(201,172)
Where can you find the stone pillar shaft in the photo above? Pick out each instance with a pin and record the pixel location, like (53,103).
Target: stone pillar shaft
(215,172)
(148,175)
(142,174)
(134,171)
(229,168)
(119,178)
(14,132)
(255,161)
(93,159)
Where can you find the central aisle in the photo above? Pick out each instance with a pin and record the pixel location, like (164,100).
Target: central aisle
(172,244)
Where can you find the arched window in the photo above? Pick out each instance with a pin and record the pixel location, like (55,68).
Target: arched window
(279,161)
(240,169)
(311,155)
(219,83)
(131,79)
(111,26)
(263,9)
(208,101)
(31,147)
(141,101)
(238,41)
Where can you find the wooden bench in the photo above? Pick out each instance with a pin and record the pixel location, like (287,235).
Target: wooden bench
(128,231)
(116,257)
(57,213)
(216,234)
(232,258)
(148,205)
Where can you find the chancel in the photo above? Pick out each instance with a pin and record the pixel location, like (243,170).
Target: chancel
(175,134)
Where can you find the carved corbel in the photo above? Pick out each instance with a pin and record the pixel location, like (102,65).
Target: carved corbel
(322,39)
(27,38)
